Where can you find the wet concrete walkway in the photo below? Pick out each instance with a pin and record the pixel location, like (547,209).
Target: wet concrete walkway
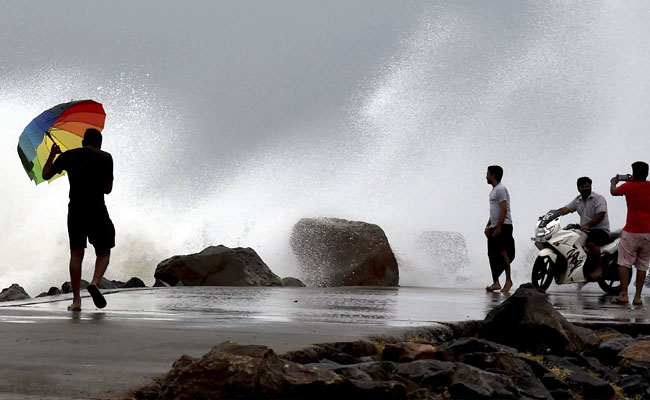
(49,352)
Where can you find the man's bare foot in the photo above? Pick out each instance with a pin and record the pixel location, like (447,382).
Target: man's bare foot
(620,300)
(507,287)
(74,307)
(637,301)
(493,287)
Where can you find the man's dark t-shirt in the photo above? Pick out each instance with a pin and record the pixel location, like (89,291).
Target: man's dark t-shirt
(89,171)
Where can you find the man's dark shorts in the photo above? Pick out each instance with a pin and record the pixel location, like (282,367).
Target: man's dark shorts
(496,245)
(94,225)
(598,237)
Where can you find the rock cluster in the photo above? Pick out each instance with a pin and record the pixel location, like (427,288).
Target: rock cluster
(337,252)
(565,363)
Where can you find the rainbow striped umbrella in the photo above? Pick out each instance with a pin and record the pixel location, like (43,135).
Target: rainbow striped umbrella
(65,125)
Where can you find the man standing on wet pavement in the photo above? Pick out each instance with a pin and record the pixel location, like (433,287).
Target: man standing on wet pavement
(501,244)
(634,246)
(90,171)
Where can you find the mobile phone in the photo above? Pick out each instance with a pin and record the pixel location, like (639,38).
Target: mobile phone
(623,177)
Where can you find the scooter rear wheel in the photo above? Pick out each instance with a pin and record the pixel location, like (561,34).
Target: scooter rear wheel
(542,272)
(612,286)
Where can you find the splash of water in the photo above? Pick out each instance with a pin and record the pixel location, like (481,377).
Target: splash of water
(540,91)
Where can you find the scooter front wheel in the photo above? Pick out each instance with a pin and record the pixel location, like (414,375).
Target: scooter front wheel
(542,272)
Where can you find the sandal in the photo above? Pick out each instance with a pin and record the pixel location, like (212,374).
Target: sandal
(640,303)
(616,300)
(74,309)
(98,299)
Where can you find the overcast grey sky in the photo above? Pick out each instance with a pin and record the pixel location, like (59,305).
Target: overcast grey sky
(249,69)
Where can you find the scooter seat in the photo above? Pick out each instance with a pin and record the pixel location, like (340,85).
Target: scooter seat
(615,235)
(612,246)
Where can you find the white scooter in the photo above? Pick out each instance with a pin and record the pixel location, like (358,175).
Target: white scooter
(563,255)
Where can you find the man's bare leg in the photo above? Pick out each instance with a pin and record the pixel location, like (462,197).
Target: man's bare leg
(640,281)
(508,284)
(101,264)
(76,258)
(595,250)
(624,276)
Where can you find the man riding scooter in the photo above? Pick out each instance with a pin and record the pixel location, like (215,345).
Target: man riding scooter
(592,208)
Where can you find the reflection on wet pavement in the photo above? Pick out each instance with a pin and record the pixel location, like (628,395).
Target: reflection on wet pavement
(394,307)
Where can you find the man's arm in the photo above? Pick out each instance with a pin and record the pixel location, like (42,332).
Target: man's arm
(595,220)
(47,168)
(612,187)
(109,184)
(565,210)
(503,210)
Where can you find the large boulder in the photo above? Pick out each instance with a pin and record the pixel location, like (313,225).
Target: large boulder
(217,266)
(13,292)
(337,252)
(529,322)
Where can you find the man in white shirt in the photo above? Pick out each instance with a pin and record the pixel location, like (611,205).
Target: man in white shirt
(501,244)
(592,209)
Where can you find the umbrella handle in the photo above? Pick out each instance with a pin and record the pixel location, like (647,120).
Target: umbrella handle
(51,138)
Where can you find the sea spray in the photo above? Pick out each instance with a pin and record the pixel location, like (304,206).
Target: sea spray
(549,91)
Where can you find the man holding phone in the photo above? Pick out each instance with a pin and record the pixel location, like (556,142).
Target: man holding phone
(634,247)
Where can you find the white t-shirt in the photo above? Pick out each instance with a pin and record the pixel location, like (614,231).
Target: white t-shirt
(498,194)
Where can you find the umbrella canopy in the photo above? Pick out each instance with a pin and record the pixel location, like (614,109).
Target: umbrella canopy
(65,125)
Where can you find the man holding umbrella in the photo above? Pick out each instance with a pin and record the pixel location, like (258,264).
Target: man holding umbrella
(90,172)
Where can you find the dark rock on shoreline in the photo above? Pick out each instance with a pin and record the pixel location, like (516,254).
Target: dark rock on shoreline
(292,282)
(109,284)
(231,370)
(408,351)
(134,282)
(217,266)
(53,291)
(337,252)
(14,292)
(528,322)
(67,288)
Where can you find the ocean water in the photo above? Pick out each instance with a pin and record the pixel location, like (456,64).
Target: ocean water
(550,91)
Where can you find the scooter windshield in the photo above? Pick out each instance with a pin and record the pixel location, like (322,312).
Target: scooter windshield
(548,217)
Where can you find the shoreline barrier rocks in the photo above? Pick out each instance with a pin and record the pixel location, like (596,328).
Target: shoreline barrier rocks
(445,361)
(219,266)
(14,292)
(338,252)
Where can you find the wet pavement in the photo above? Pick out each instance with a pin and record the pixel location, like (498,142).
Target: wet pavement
(51,353)
(373,307)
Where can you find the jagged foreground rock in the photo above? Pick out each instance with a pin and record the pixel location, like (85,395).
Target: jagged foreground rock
(337,252)
(528,321)
(439,364)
